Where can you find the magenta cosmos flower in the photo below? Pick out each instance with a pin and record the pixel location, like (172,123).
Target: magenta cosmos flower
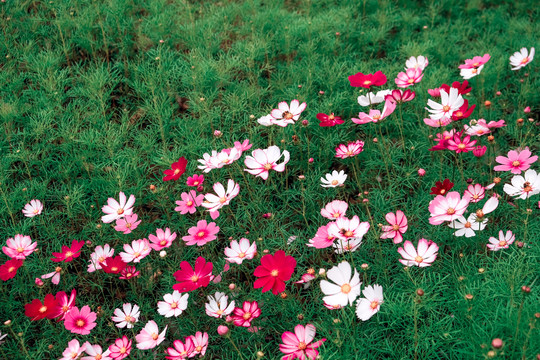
(64,304)
(121,348)
(424,256)
(329,120)
(162,239)
(447,208)
(265,160)
(461,145)
(80,322)
(200,343)
(69,253)
(116,210)
(19,247)
(201,234)
(190,201)
(190,279)
(288,114)
(351,149)
(516,161)
(367,80)
(400,96)
(475,62)
(33,208)
(127,224)
(176,170)
(396,229)
(195,180)
(298,345)
(246,314)
(409,78)
(274,271)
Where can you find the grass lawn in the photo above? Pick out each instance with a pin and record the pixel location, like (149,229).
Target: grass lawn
(101,97)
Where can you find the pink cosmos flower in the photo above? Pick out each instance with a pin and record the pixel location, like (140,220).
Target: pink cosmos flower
(181,350)
(80,322)
(346,229)
(450,102)
(215,202)
(150,337)
(410,77)
(129,272)
(173,304)
(135,252)
(461,145)
(127,224)
(503,242)
(435,92)
(190,279)
(63,304)
(116,210)
(351,149)
(322,238)
(265,160)
(396,229)
(98,256)
(246,314)
(162,239)
(195,180)
(33,208)
(288,114)
(202,233)
(335,209)
(400,96)
(200,343)
(126,317)
(54,276)
(121,348)
(298,345)
(73,351)
(19,247)
(376,115)
(95,353)
(476,192)
(516,161)
(447,208)
(240,251)
(475,62)
(367,80)
(437,122)
(190,201)
(243,146)
(479,151)
(426,254)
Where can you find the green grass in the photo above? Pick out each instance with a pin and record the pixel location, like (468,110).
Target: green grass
(92,103)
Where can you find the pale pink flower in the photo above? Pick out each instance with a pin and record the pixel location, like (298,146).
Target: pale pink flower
(54,276)
(450,102)
(98,256)
(127,317)
(243,146)
(116,210)
(475,62)
(202,233)
(345,286)
(299,345)
(375,115)
(218,306)
(521,58)
(73,351)
(516,161)
(162,239)
(265,160)
(190,201)
(398,226)
(19,247)
(135,252)
(200,343)
(33,208)
(127,224)
(419,62)
(215,202)
(173,304)
(410,77)
(346,229)
(447,208)
(240,251)
(369,305)
(208,162)
(335,209)
(121,348)
(424,256)
(225,157)
(437,122)
(95,353)
(341,245)
(503,242)
(180,351)
(476,192)
(288,114)
(351,149)
(322,239)
(150,337)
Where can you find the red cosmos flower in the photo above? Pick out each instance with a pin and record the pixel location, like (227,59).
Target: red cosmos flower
(9,269)
(400,96)
(274,271)
(176,170)
(462,87)
(367,80)
(68,254)
(37,310)
(441,188)
(244,316)
(190,279)
(463,112)
(329,120)
(113,265)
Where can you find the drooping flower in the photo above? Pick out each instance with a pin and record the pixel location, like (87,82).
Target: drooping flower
(190,201)
(447,208)
(475,62)
(127,224)
(424,256)
(351,149)
(69,253)
(400,96)
(190,279)
(80,322)
(409,77)
(181,350)
(442,188)
(195,180)
(173,304)
(469,73)
(116,210)
(335,209)
(516,161)
(396,228)
(322,238)
(98,256)
(288,114)
(121,348)
(298,345)
(419,62)
(8,270)
(202,233)
(33,208)
(74,350)
(19,247)
(370,304)
(240,251)
(36,310)
(450,102)
(334,179)
(150,337)
(521,58)
(345,287)
(200,343)
(215,202)
(367,80)
(54,276)
(347,229)
(467,226)
(95,352)
(126,317)
(504,241)
(376,115)
(489,206)
(329,120)
(176,170)
(265,160)
(113,265)
(246,314)
(274,271)
(372,98)
(523,187)
(135,252)
(341,245)
(218,305)
(162,239)
(63,305)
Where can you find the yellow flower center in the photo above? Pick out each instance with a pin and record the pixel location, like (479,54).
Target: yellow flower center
(461,146)
(154,336)
(346,288)
(176,171)
(302,346)
(502,243)
(174,305)
(162,242)
(516,163)
(114,268)
(348,233)
(467,225)
(246,316)
(450,211)
(287,115)
(525,60)
(418,259)
(241,255)
(123,350)
(335,182)
(120,211)
(198,348)
(223,200)
(410,81)
(274,273)
(374,304)
(446,108)
(367,82)
(194,278)
(200,234)
(43,309)
(69,254)
(20,250)
(80,323)
(189,203)
(395,227)
(267,166)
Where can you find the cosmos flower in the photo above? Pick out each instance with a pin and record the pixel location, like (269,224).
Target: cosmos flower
(396,228)
(467,226)
(447,208)
(475,62)
(345,286)
(98,256)
(181,350)
(202,233)
(63,305)
(215,202)
(68,253)
(367,80)
(150,337)
(341,245)
(200,343)
(347,229)
(424,256)
(376,115)
(74,350)
(246,314)
(127,224)
(190,279)
(129,272)
(450,102)
(351,149)
(470,72)
(33,208)
(504,241)
(218,305)
(176,170)
(95,352)
(113,265)
(460,145)
(173,304)
(441,188)
(322,238)
(162,239)
(409,77)
(36,310)
(126,317)
(372,98)
(138,250)
(240,251)
(521,58)
(335,209)
(195,180)
(19,247)
(516,161)
(476,192)
(371,303)
(54,276)
(265,160)
(190,201)
(334,179)
(274,271)
(298,345)
(80,322)
(401,96)
(419,62)
(523,187)
(116,210)
(121,348)
(288,114)
(329,120)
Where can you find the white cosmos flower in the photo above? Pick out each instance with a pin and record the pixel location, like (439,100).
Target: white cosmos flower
(128,317)
(371,98)
(173,305)
(470,73)
(469,226)
(450,102)
(521,58)
(419,62)
(334,179)
(218,306)
(371,304)
(345,287)
(524,187)
(221,198)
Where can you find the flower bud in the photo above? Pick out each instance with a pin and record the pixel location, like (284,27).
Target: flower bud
(222,330)
(162,253)
(421,172)
(305,122)
(232,286)
(322,272)
(152,187)
(527,110)
(498,93)
(218,133)
(321,92)
(364,266)
(497,343)
(479,151)
(39,282)
(487,103)
(311,160)
(420,292)
(526,289)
